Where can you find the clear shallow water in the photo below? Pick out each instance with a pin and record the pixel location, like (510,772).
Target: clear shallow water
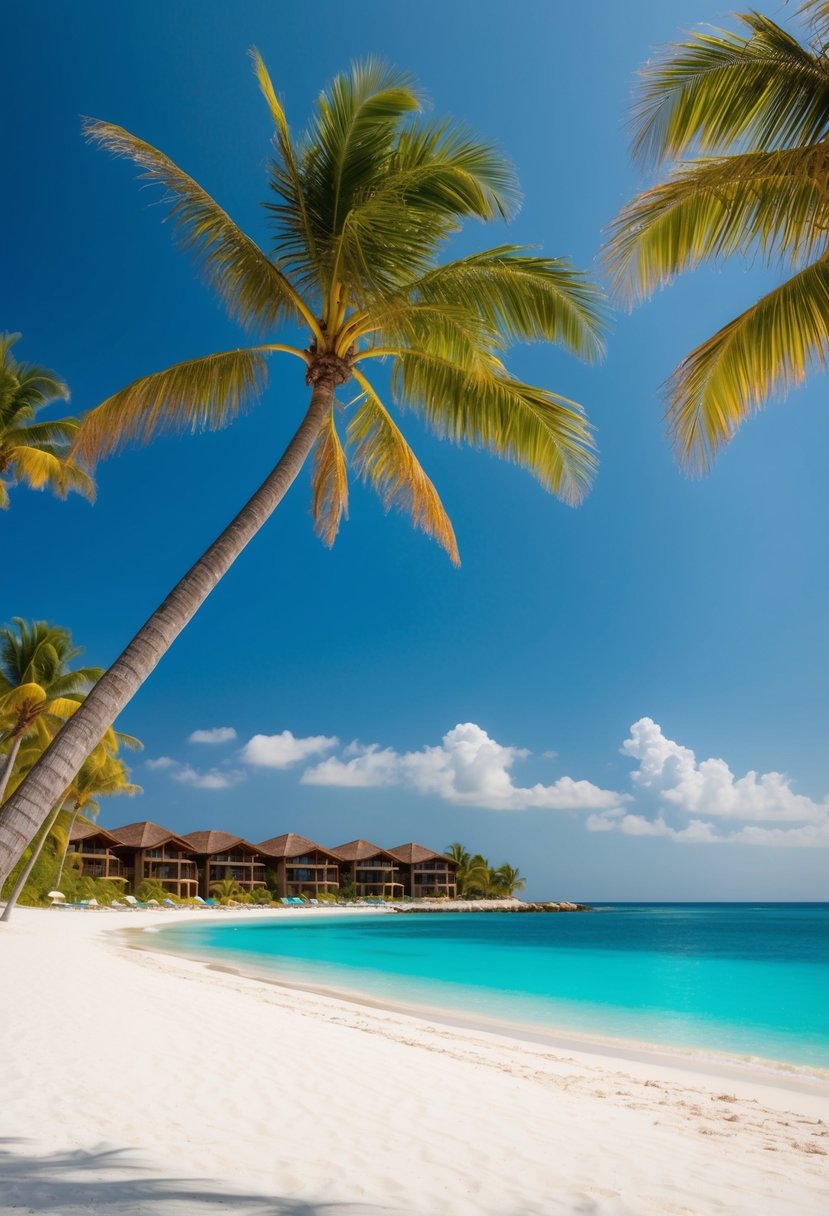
(746,979)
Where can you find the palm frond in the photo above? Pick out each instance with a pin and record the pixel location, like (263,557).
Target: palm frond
(286,178)
(199,394)
(251,287)
(522,297)
(536,429)
(382,457)
(352,134)
(765,351)
(759,88)
(776,202)
(329,483)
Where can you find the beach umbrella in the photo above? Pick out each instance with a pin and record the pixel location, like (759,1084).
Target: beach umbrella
(56,896)
(153,903)
(93,903)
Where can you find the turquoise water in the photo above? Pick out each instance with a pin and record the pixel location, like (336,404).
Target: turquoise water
(745,979)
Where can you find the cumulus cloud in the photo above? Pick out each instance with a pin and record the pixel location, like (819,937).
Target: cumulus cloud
(468,768)
(216,734)
(161,762)
(285,749)
(212,779)
(672,783)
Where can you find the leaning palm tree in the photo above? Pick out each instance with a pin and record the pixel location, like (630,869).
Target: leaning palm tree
(753,106)
(362,206)
(506,880)
(39,689)
(33,453)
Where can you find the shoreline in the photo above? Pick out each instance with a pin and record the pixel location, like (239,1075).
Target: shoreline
(140,1081)
(706,1061)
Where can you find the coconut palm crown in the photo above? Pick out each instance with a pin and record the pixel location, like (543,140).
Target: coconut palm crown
(35,453)
(362,205)
(744,116)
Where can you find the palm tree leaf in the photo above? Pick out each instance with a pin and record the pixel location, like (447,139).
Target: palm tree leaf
(352,133)
(251,287)
(547,434)
(56,433)
(777,202)
(285,173)
(767,350)
(761,88)
(382,457)
(329,483)
(199,394)
(523,298)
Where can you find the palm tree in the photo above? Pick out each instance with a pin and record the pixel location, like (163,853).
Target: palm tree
(507,880)
(102,774)
(35,453)
(753,105)
(362,205)
(226,889)
(38,688)
(477,878)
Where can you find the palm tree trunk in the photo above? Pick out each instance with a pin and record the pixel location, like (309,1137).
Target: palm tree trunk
(65,849)
(49,778)
(27,869)
(7,771)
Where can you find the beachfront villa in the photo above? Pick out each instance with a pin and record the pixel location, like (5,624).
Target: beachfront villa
(220,855)
(290,865)
(426,874)
(155,854)
(302,867)
(372,871)
(92,851)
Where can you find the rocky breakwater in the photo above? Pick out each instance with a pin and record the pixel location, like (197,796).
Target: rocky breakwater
(490,905)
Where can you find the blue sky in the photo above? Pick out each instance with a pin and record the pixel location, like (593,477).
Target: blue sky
(697,606)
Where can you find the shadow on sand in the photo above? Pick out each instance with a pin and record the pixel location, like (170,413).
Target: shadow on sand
(108,1181)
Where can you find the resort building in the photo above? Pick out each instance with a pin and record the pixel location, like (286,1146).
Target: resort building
(155,854)
(220,855)
(426,874)
(302,867)
(372,870)
(91,851)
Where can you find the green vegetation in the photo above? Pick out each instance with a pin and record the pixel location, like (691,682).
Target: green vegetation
(477,879)
(35,454)
(39,691)
(362,206)
(753,105)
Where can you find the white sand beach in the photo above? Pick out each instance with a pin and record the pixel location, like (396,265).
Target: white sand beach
(135,1082)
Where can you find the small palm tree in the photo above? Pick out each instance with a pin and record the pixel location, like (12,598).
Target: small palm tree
(507,880)
(38,688)
(362,206)
(101,775)
(226,889)
(35,453)
(754,105)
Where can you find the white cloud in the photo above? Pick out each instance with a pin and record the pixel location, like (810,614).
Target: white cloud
(367,766)
(468,768)
(216,734)
(672,783)
(161,762)
(709,787)
(212,779)
(285,749)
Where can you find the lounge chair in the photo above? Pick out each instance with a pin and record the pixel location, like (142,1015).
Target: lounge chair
(168,903)
(284,899)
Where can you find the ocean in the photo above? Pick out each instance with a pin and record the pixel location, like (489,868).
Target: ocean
(748,980)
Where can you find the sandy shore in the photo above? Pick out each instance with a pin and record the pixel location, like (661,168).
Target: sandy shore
(135,1082)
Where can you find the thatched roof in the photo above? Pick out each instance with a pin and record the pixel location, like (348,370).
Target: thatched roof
(146,835)
(360,850)
(410,854)
(214,841)
(84,831)
(291,845)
